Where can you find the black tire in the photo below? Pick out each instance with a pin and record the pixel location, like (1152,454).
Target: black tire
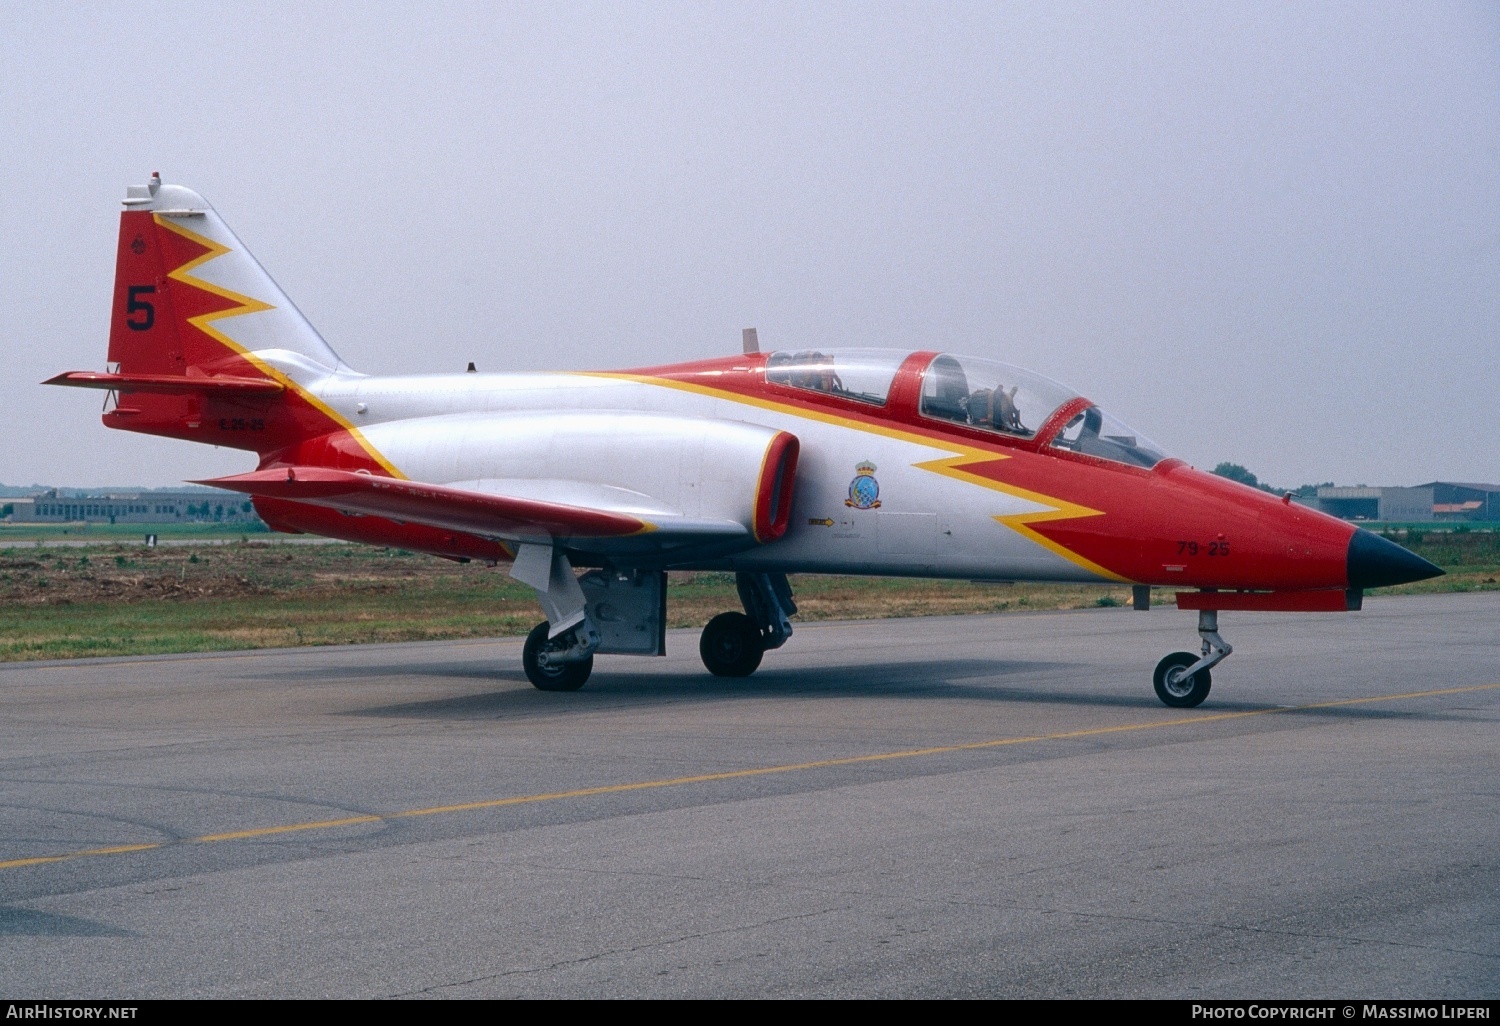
(564,677)
(731,646)
(1175,690)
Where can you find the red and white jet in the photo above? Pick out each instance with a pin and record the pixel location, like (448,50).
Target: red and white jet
(839,461)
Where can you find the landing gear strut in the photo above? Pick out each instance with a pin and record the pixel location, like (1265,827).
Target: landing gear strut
(733,643)
(1182,679)
(559,653)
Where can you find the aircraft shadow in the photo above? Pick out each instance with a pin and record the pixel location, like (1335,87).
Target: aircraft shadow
(1043,683)
(929,680)
(25,922)
(613,677)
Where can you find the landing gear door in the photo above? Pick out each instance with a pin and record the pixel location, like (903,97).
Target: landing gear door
(629,608)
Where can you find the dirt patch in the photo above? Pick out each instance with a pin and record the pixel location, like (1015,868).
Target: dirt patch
(133,573)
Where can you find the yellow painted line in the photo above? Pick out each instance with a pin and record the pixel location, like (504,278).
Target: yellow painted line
(323,824)
(758,771)
(119,849)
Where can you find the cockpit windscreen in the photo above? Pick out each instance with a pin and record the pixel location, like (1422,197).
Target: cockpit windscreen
(1096,433)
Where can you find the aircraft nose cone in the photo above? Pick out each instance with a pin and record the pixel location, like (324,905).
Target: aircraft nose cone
(1375,562)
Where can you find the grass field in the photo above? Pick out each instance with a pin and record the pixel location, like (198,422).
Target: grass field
(127,533)
(124,599)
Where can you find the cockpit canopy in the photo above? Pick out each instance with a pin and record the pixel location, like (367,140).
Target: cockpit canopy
(978,393)
(1011,401)
(862,374)
(990,395)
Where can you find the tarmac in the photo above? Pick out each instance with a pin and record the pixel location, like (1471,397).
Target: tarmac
(980,806)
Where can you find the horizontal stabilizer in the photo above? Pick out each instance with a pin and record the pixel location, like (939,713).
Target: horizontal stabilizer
(169,384)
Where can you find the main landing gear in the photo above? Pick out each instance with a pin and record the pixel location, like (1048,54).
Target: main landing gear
(1182,679)
(559,664)
(624,612)
(733,643)
(731,646)
(559,653)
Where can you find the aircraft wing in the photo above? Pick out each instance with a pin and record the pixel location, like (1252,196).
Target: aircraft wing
(614,520)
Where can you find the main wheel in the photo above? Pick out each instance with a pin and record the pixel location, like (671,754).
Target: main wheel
(558,676)
(1176,690)
(731,646)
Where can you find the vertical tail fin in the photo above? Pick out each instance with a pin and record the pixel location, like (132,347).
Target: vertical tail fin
(206,347)
(189,298)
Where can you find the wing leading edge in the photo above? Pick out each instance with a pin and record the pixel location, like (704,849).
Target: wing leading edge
(487,513)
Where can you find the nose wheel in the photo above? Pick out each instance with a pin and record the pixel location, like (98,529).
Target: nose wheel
(1182,680)
(1178,688)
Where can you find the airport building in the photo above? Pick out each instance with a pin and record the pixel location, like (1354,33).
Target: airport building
(1455,500)
(150,507)
(1436,501)
(1362,503)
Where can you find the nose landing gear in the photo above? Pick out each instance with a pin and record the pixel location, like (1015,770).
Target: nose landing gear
(1182,679)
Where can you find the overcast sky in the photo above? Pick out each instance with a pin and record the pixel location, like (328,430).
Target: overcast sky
(1256,232)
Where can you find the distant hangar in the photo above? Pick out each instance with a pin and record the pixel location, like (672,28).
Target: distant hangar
(143,507)
(1436,501)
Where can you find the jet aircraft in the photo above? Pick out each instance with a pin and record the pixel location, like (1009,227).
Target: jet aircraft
(827,460)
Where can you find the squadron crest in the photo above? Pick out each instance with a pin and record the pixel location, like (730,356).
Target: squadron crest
(864,490)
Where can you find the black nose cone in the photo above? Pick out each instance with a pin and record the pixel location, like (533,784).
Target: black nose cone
(1375,562)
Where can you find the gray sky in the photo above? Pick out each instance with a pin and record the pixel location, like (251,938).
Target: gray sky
(1261,233)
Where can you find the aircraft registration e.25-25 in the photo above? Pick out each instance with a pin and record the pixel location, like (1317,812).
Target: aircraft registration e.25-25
(838,461)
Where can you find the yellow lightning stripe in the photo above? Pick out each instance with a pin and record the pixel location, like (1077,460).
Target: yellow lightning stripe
(951,466)
(740,774)
(247,304)
(1021,522)
(781,407)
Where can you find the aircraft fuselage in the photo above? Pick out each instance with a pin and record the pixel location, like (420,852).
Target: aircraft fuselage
(842,461)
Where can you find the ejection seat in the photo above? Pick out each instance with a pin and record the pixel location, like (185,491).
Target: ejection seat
(947,391)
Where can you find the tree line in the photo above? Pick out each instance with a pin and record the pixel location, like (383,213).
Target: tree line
(1235,472)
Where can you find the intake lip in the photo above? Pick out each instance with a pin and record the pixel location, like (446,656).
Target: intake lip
(1376,562)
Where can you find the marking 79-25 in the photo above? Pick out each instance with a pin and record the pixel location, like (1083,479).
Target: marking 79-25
(1213,548)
